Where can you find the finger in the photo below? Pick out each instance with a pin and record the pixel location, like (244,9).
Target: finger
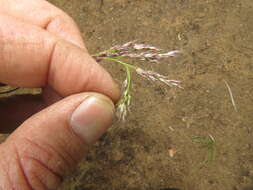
(32,57)
(47,146)
(44,15)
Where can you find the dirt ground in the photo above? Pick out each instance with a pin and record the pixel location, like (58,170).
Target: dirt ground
(216,37)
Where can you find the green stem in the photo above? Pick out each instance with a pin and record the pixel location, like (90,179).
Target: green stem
(107,51)
(127,96)
(94,55)
(120,62)
(129,82)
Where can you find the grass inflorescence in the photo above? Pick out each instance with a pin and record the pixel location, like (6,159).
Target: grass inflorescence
(141,52)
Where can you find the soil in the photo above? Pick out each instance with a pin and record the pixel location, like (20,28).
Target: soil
(154,149)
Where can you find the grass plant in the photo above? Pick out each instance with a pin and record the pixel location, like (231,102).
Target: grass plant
(137,51)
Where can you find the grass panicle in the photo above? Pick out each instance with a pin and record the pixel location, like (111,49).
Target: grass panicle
(137,51)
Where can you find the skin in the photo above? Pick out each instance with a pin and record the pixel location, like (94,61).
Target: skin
(41,46)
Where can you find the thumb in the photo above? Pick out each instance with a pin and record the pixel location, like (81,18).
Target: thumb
(47,146)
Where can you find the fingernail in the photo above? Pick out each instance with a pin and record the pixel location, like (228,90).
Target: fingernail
(92,118)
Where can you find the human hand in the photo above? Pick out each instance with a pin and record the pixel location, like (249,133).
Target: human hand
(40,46)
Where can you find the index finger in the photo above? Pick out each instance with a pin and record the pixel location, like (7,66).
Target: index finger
(33,57)
(44,15)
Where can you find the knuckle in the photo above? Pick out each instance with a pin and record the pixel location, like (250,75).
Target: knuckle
(60,22)
(44,154)
(38,176)
(40,168)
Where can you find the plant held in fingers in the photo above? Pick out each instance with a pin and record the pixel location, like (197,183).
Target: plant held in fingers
(142,52)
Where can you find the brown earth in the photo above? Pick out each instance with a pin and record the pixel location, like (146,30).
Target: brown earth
(216,37)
